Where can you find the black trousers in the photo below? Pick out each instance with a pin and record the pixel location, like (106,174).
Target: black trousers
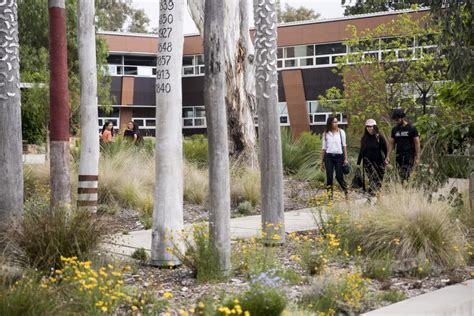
(331,162)
(375,171)
(405,166)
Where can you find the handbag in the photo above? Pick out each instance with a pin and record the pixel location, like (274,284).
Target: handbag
(358,180)
(346,168)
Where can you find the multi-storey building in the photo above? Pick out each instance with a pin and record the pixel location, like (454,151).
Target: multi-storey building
(307,54)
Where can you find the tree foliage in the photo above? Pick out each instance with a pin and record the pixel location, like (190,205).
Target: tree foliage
(34,67)
(292,14)
(372,6)
(373,84)
(114,15)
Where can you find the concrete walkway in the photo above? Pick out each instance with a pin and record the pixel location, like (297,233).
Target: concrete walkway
(455,300)
(240,227)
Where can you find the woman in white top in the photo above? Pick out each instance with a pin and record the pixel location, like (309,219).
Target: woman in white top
(334,154)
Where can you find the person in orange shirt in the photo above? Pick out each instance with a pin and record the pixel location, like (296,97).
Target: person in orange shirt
(107,133)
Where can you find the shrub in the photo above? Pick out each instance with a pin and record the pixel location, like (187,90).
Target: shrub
(140,254)
(378,268)
(295,152)
(337,293)
(198,254)
(195,149)
(251,257)
(26,297)
(392,296)
(263,298)
(404,223)
(245,208)
(43,235)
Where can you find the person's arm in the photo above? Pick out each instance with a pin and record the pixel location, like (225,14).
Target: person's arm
(344,148)
(391,145)
(417,150)
(135,137)
(359,158)
(323,151)
(383,145)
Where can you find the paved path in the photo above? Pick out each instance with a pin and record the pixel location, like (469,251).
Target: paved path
(455,300)
(240,227)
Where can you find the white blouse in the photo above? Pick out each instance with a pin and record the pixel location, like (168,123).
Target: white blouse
(332,142)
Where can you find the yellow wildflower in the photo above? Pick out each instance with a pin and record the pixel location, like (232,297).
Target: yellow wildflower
(167,295)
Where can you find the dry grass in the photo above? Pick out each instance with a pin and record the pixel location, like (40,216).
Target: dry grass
(196,184)
(245,186)
(43,235)
(405,223)
(127,178)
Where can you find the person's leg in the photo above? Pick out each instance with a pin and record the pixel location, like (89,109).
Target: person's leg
(339,160)
(380,171)
(329,166)
(371,175)
(405,164)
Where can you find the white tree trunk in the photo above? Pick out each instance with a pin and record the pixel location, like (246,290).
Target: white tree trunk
(240,94)
(271,167)
(214,100)
(59,105)
(168,210)
(89,158)
(11,166)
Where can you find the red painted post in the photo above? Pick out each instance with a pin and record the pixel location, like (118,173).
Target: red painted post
(59,105)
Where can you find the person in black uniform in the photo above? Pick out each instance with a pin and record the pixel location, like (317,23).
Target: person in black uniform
(406,140)
(373,150)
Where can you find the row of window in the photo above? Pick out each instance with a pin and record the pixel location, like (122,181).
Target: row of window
(195,117)
(314,55)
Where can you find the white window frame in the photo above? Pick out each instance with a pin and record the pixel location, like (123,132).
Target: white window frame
(194,118)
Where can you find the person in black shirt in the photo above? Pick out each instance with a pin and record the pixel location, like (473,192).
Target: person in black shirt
(406,139)
(373,150)
(131,133)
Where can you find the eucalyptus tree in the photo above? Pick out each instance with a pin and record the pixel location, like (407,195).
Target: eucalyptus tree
(271,167)
(168,209)
(89,157)
(11,166)
(215,31)
(239,76)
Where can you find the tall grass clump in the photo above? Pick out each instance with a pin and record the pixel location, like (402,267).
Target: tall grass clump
(245,186)
(196,184)
(126,177)
(406,224)
(36,180)
(301,156)
(43,235)
(195,149)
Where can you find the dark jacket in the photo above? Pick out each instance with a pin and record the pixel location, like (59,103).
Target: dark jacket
(373,149)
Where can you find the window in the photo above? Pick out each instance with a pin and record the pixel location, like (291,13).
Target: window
(193,65)
(114,59)
(140,60)
(130,71)
(322,60)
(194,116)
(329,49)
(283,110)
(319,115)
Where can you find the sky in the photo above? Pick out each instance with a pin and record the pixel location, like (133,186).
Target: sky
(327,9)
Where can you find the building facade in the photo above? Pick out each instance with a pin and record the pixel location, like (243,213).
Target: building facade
(308,52)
